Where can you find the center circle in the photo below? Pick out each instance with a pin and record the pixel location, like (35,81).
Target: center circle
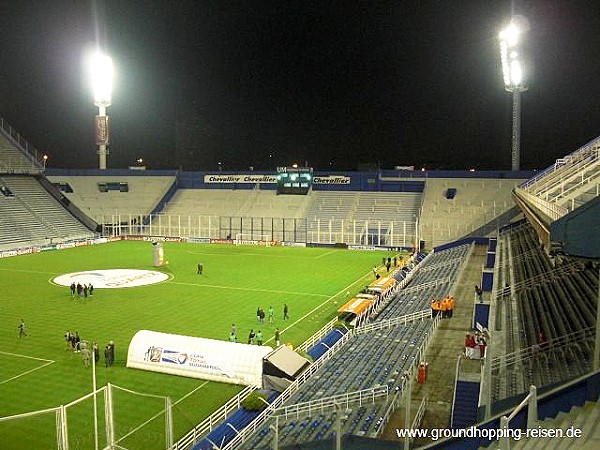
(112,278)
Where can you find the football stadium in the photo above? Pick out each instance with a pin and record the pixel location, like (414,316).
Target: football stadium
(242,294)
(340,302)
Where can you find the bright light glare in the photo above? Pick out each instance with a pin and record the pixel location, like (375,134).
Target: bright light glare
(516,73)
(510,56)
(102,79)
(510,34)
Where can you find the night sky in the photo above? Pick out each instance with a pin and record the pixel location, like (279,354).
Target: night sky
(333,84)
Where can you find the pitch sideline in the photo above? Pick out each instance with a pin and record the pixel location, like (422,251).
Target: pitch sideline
(46,361)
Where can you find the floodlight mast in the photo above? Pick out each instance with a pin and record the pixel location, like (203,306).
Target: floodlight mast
(102,79)
(510,40)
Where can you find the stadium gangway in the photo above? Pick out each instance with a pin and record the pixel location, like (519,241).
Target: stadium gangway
(252,427)
(364,396)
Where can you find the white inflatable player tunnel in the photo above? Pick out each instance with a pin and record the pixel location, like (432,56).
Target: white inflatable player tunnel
(196,357)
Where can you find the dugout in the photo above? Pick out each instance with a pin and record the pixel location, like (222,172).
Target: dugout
(189,356)
(281,367)
(354,310)
(381,286)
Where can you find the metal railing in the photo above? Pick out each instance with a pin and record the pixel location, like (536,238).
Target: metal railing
(552,210)
(456,373)
(588,150)
(420,413)
(30,151)
(312,340)
(521,356)
(246,432)
(531,402)
(350,398)
(402,320)
(214,420)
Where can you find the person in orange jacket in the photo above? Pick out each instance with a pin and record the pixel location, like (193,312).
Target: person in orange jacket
(450,307)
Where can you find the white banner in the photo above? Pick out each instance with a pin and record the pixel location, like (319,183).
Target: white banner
(248,179)
(196,357)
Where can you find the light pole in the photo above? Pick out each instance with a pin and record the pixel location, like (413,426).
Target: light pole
(102,79)
(44,161)
(510,47)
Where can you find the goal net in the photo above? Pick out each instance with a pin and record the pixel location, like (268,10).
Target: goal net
(253,239)
(114,417)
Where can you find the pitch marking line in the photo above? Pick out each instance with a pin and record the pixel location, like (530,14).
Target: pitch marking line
(325,254)
(44,272)
(47,363)
(157,415)
(227,255)
(272,291)
(320,306)
(190,393)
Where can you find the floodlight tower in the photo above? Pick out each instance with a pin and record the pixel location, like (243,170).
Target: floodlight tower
(510,46)
(102,79)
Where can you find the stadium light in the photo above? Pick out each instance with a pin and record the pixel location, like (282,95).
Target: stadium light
(102,80)
(514,81)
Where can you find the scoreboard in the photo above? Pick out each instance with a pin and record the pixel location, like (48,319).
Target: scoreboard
(294,180)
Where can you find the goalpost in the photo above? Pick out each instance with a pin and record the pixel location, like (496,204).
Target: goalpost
(75,425)
(253,239)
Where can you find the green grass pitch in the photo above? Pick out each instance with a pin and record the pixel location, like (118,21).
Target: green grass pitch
(37,372)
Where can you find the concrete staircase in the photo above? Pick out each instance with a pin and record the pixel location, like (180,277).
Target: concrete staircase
(585,418)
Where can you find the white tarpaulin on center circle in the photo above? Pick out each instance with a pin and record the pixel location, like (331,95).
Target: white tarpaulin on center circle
(196,357)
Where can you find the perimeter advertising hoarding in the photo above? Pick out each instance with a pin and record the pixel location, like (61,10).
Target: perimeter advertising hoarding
(208,359)
(270,179)
(240,179)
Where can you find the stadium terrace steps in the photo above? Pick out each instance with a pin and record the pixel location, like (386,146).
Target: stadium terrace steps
(227,430)
(426,283)
(33,216)
(13,161)
(585,418)
(571,181)
(466,400)
(477,202)
(555,301)
(366,360)
(143,194)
